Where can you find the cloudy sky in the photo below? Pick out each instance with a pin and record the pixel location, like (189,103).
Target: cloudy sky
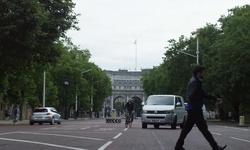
(109,28)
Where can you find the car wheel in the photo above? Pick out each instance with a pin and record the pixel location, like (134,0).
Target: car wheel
(144,125)
(52,121)
(173,125)
(156,126)
(31,123)
(59,121)
(40,123)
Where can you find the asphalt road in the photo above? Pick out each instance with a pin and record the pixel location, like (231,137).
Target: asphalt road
(96,134)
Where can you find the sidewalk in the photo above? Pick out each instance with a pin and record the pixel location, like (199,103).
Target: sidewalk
(26,121)
(235,124)
(10,122)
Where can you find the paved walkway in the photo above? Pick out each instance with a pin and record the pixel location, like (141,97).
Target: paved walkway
(10,122)
(26,121)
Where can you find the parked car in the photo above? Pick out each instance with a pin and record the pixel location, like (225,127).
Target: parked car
(45,115)
(163,110)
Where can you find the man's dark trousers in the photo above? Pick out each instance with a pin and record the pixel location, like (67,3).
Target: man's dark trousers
(195,116)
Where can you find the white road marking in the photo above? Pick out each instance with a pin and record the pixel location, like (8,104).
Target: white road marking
(8,133)
(240,139)
(236,128)
(105,145)
(215,133)
(70,136)
(117,136)
(104,129)
(125,129)
(85,128)
(159,142)
(41,143)
(48,128)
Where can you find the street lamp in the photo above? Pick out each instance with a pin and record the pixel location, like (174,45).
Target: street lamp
(91,99)
(66,83)
(76,93)
(197,49)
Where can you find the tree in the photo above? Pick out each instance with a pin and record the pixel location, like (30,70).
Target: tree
(234,57)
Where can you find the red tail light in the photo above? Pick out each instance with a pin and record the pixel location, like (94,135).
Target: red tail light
(49,113)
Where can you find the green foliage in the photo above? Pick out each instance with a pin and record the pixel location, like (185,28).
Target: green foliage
(224,51)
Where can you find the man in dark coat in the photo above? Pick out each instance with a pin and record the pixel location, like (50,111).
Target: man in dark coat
(195,95)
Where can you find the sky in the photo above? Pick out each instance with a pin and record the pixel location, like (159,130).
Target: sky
(132,34)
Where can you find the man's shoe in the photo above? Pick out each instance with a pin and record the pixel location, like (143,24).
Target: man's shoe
(220,147)
(179,148)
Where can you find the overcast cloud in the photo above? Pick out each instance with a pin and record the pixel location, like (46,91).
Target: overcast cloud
(109,28)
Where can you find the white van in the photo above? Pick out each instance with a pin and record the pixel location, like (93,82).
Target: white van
(163,110)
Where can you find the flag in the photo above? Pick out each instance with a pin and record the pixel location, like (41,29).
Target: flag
(135,41)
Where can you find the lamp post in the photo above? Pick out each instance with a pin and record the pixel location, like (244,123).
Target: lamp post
(76,92)
(91,99)
(197,46)
(197,49)
(66,83)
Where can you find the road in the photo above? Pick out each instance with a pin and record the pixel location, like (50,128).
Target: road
(96,134)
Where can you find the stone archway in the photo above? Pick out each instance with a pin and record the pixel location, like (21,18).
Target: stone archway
(138,107)
(118,104)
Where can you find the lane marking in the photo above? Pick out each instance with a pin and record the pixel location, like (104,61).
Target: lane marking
(240,139)
(60,135)
(117,136)
(8,133)
(41,143)
(125,129)
(159,142)
(49,128)
(236,128)
(215,133)
(105,145)
(85,128)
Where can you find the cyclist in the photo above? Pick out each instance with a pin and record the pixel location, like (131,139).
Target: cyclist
(130,108)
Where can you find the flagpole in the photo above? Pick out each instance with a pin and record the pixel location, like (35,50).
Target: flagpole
(135,54)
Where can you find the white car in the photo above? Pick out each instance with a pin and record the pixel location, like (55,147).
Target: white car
(45,115)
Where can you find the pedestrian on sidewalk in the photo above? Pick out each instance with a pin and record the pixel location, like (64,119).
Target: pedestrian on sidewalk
(195,95)
(16,114)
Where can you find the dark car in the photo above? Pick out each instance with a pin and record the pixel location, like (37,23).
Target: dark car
(45,115)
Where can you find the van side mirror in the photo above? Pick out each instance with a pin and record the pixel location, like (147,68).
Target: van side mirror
(178,104)
(142,103)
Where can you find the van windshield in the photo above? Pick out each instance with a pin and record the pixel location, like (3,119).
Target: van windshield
(160,100)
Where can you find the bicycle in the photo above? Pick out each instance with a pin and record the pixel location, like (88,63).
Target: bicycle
(128,122)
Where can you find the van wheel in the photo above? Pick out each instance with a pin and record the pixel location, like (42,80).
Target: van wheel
(156,126)
(173,125)
(144,125)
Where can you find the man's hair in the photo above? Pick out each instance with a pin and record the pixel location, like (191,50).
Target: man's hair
(198,69)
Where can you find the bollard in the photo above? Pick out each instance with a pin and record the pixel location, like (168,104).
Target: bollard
(242,120)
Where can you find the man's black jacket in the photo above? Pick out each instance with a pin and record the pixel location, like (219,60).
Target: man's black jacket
(195,93)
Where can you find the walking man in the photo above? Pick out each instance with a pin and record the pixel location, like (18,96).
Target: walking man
(195,95)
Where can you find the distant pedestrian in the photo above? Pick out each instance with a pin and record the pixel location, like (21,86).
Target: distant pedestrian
(6,115)
(195,95)
(230,117)
(16,115)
